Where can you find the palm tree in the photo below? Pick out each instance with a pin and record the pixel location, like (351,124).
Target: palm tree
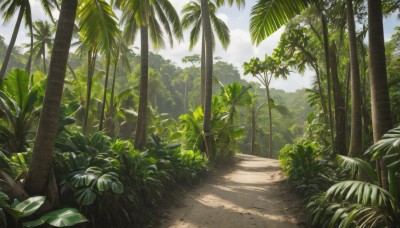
(356,125)
(99,31)
(192,18)
(40,174)
(8,8)
(43,149)
(43,36)
(148,17)
(207,36)
(264,71)
(380,100)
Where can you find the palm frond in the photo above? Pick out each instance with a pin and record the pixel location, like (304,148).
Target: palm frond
(358,167)
(364,193)
(267,16)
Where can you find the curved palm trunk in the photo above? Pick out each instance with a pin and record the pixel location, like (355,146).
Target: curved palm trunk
(43,148)
(141,134)
(270,121)
(103,106)
(205,17)
(380,100)
(356,124)
(340,109)
(12,43)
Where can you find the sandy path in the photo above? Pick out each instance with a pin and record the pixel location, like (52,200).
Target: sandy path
(250,194)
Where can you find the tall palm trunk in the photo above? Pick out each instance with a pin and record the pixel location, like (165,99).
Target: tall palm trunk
(366,115)
(203,71)
(141,134)
(12,42)
(92,54)
(380,100)
(356,124)
(270,121)
(206,22)
(113,85)
(103,106)
(328,75)
(43,148)
(338,99)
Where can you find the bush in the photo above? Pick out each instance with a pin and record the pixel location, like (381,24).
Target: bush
(117,186)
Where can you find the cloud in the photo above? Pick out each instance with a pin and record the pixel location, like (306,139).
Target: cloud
(223,17)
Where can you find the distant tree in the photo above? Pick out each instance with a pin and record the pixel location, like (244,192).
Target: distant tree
(192,59)
(43,37)
(8,8)
(264,71)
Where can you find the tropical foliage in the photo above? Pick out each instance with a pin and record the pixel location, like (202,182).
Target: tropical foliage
(94,132)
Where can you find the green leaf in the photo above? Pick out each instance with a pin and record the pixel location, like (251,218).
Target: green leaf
(3,196)
(16,85)
(30,206)
(85,196)
(59,218)
(267,16)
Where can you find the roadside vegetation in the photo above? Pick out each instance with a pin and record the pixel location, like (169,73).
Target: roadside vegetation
(96,132)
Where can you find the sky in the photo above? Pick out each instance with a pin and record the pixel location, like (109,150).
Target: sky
(239,51)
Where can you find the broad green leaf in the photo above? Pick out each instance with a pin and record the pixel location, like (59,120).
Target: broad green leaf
(3,196)
(85,196)
(16,85)
(30,206)
(59,218)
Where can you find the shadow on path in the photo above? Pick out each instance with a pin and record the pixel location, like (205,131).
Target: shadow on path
(252,194)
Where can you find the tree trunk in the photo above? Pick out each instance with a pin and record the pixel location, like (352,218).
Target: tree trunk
(113,85)
(253,129)
(270,121)
(380,100)
(43,148)
(321,94)
(103,107)
(366,114)
(44,58)
(141,134)
(92,54)
(340,115)
(356,124)
(205,17)
(328,76)
(203,72)
(12,42)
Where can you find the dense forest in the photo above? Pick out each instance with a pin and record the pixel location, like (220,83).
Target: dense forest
(98,132)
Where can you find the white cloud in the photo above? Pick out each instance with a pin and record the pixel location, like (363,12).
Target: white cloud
(223,17)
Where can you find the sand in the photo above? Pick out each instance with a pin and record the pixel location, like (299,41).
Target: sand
(253,193)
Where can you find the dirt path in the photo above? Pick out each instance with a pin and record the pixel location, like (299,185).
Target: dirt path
(251,194)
